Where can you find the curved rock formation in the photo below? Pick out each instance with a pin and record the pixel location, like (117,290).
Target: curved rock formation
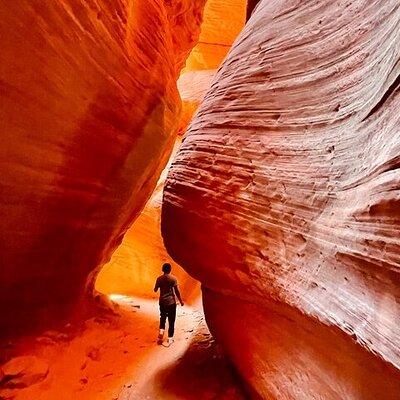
(193,86)
(222,22)
(89,110)
(137,260)
(284,200)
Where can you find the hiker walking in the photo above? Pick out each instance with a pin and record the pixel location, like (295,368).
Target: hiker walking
(168,285)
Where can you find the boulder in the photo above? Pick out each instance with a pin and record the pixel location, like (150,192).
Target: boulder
(24,371)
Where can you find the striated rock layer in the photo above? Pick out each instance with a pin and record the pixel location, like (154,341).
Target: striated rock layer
(284,200)
(89,109)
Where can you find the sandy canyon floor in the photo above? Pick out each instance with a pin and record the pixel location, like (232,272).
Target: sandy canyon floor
(117,358)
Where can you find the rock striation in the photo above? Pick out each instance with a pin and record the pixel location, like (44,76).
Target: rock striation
(284,201)
(89,110)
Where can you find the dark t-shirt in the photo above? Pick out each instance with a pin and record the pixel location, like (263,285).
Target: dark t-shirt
(166,283)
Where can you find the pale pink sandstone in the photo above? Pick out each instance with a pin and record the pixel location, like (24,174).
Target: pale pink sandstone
(284,201)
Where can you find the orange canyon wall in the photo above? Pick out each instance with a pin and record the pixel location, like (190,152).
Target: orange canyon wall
(284,201)
(89,110)
(136,262)
(222,22)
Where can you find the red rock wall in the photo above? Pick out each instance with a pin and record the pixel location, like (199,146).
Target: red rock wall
(284,200)
(88,115)
(137,261)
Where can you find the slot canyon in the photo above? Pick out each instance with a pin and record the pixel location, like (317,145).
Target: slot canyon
(252,144)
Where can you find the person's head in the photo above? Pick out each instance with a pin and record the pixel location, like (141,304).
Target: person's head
(166,268)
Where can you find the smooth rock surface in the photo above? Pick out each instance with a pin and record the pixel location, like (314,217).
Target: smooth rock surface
(284,200)
(89,111)
(222,22)
(137,261)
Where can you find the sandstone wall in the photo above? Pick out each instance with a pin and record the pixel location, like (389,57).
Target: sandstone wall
(284,200)
(222,22)
(88,112)
(137,261)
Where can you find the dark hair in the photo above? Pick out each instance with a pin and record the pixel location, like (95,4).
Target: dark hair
(166,268)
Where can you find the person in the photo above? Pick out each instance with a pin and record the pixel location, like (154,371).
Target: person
(168,285)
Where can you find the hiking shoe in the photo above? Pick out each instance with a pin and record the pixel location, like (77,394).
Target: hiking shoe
(170,341)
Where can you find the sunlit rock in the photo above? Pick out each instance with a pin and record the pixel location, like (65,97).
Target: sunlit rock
(89,110)
(222,22)
(138,259)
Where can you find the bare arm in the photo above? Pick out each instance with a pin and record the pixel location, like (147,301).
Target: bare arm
(178,294)
(156,286)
